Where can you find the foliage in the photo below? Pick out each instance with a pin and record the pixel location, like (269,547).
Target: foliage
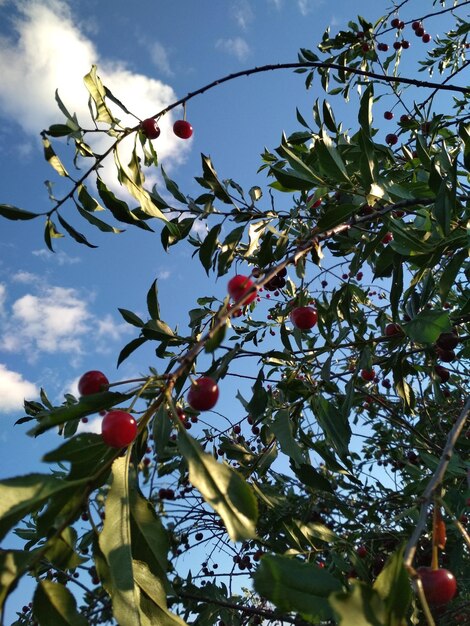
(320,491)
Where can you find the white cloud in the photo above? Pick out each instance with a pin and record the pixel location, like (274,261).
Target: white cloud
(3,293)
(59,257)
(160,59)
(92,426)
(14,389)
(243,13)
(237,46)
(307,6)
(24,277)
(50,51)
(57,320)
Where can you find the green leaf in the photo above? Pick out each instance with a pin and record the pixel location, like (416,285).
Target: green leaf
(50,233)
(282,427)
(365,109)
(450,272)
(54,604)
(362,606)
(115,544)
(14,213)
(98,95)
(259,400)
(78,237)
(211,181)
(52,158)
(61,550)
(85,452)
(393,586)
(311,478)
(330,159)
(222,488)
(290,180)
(149,538)
(22,495)
(152,301)
(154,603)
(214,342)
(86,406)
(13,565)
(131,318)
(335,215)
(173,188)
(464,133)
(334,424)
(427,326)
(208,247)
(94,221)
(118,208)
(129,349)
(296,586)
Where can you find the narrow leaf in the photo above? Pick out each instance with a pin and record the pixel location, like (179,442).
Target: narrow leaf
(54,604)
(222,488)
(14,213)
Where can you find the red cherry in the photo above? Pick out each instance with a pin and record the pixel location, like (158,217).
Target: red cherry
(442,372)
(304,317)
(445,355)
(391,139)
(238,286)
(182,129)
(392,330)
(419,32)
(203,394)
(447,341)
(405,44)
(439,585)
(426,38)
(383,47)
(150,128)
(395,23)
(368,374)
(92,382)
(361,552)
(397,45)
(388,115)
(387,238)
(415,25)
(118,429)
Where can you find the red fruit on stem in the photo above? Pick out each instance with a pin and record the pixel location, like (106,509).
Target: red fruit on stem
(118,429)
(203,394)
(445,355)
(238,286)
(182,129)
(415,25)
(368,374)
(388,115)
(304,317)
(391,139)
(387,238)
(361,552)
(392,330)
(150,128)
(405,44)
(439,585)
(442,372)
(426,38)
(419,32)
(395,23)
(92,382)
(397,45)
(448,341)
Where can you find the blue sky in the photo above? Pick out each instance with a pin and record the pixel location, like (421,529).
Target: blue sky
(59,311)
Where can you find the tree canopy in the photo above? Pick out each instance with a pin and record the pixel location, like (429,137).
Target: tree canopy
(343,340)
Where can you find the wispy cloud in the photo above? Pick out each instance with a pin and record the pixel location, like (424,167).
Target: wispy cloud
(14,389)
(307,6)
(53,319)
(51,50)
(159,56)
(243,13)
(59,257)
(236,46)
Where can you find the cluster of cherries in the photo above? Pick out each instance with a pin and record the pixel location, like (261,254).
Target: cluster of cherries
(151,129)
